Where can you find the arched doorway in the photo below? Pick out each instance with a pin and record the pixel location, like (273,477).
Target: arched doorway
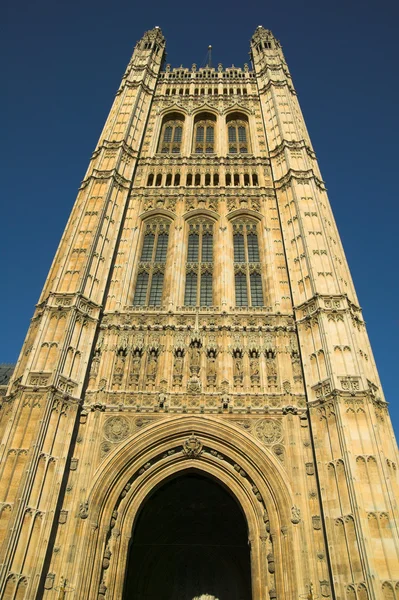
(189,540)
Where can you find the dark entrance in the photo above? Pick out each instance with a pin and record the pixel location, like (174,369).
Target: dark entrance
(190,539)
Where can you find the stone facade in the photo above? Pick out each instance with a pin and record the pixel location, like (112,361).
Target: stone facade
(200,314)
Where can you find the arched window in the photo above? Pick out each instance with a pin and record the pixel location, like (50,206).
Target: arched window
(238,134)
(149,283)
(171,134)
(204,134)
(199,266)
(247,268)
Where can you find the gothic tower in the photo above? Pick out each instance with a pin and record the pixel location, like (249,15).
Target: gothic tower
(196,411)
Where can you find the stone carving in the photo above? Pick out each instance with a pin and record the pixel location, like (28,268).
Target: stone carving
(105,447)
(134,374)
(49,582)
(268,431)
(194,385)
(102,590)
(178,366)
(296,367)
(84,509)
(94,367)
(254,367)
(195,357)
(325,588)
(295,515)
(271,367)
(238,367)
(309,468)
(270,562)
(211,367)
(116,429)
(316,522)
(287,387)
(119,369)
(107,557)
(152,365)
(192,447)
(63,517)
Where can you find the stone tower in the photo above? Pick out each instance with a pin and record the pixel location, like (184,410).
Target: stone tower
(196,411)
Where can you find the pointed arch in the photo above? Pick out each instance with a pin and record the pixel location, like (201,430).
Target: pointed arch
(171,136)
(204,138)
(238,135)
(221,450)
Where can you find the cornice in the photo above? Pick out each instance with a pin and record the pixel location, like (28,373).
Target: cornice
(110,145)
(291,145)
(58,388)
(64,303)
(300,176)
(203,160)
(111,174)
(221,193)
(329,304)
(161,319)
(127,402)
(329,395)
(276,83)
(136,84)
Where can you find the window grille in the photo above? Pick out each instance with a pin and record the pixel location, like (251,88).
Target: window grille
(241,289)
(199,269)
(256,289)
(141,289)
(190,296)
(156,289)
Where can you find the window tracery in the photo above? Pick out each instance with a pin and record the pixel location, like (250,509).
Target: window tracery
(151,270)
(204,134)
(247,267)
(199,266)
(171,136)
(238,134)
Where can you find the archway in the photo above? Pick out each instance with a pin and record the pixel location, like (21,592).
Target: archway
(190,540)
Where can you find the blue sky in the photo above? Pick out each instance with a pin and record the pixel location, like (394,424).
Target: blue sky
(63,63)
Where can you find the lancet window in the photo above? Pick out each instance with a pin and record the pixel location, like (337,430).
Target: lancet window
(151,270)
(171,134)
(199,266)
(247,267)
(238,134)
(204,134)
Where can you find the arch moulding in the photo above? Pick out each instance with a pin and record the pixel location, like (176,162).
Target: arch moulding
(165,450)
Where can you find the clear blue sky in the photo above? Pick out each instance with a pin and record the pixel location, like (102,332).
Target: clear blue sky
(63,64)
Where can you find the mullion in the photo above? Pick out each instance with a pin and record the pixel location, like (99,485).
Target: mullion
(151,271)
(199,265)
(247,267)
